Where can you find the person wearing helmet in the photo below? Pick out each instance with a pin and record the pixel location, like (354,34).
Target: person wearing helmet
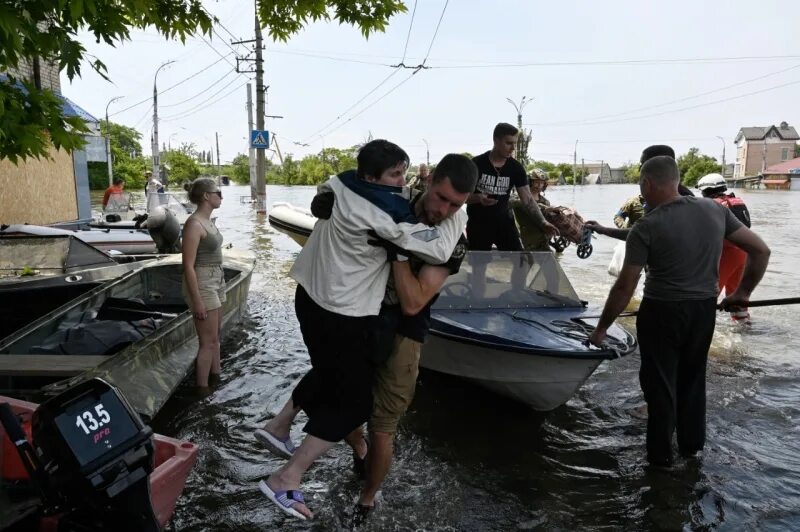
(733,259)
(533,238)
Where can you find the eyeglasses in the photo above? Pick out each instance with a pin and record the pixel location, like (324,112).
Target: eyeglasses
(217,192)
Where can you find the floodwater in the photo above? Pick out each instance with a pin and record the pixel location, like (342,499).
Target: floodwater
(469,460)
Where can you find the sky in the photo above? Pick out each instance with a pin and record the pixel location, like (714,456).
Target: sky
(615,76)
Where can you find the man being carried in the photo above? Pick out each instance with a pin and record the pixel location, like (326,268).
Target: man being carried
(676,318)
(341,283)
(532,235)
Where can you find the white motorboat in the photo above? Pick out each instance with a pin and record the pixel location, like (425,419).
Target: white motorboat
(292,220)
(517,329)
(127,241)
(120,212)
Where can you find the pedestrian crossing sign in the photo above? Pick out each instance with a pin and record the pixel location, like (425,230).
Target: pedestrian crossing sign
(259,138)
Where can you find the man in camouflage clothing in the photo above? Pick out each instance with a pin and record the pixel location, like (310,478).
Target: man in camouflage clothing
(630,212)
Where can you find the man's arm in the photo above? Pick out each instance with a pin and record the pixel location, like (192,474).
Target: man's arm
(757,260)
(618,298)
(533,209)
(415,292)
(613,232)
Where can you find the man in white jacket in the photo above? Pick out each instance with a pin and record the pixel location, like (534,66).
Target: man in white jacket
(341,283)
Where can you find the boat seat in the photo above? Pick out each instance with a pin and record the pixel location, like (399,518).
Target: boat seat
(121,309)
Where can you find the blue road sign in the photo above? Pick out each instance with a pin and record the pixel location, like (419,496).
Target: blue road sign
(259,138)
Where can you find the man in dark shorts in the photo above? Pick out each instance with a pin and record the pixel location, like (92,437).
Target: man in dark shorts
(490,219)
(676,318)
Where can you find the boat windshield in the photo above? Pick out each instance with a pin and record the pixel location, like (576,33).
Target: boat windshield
(508,279)
(118,202)
(172,202)
(21,257)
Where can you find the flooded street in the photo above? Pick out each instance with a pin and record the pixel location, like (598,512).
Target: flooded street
(469,460)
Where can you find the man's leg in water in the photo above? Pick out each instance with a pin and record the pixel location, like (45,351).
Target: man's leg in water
(281,424)
(290,475)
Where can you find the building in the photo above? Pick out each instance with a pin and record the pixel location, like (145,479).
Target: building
(52,190)
(758,148)
(784,176)
(595,173)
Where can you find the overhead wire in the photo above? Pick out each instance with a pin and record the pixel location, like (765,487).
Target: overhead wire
(435,33)
(181,82)
(201,104)
(201,108)
(665,104)
(408,36)
(630,62)
(228,73)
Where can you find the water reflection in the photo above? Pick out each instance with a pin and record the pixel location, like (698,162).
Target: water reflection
(469,460)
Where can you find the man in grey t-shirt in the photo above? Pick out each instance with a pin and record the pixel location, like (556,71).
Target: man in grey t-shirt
(680,241)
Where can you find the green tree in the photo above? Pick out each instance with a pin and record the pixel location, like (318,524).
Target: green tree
(180,167)
(241,169)
(126,156)
(631,172)
(47,30)
(694,165)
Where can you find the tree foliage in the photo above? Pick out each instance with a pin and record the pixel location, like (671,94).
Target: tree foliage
(313,169)
(31,118)
(180,167)
(694,165)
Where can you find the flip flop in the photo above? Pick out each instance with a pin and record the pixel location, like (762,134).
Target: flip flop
(282,448)
(284,499)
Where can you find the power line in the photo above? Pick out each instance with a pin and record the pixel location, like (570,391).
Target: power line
(435,33)
(408,36)
(629,62)
(706,93)
(723,100)
(145,115)
(199,105)
(149,98)
(330,58)
(201,108)
(228,73)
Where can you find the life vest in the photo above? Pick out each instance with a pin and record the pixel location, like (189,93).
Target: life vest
(736,206)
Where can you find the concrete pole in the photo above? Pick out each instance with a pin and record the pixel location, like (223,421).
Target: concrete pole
(575,165)
(722,140)
(427,153)
(108,140)
(261,184)
(218,170)
(251,153)
(156,153)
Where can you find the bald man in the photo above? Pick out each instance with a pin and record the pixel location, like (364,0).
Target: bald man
(676,318)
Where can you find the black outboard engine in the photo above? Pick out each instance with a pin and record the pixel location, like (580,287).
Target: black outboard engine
(164,228)
(93,461)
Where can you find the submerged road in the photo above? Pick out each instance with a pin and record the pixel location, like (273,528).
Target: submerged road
(469,460)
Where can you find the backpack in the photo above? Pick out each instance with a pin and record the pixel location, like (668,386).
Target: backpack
(736,206)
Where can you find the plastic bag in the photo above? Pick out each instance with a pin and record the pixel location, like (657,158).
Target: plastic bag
(615,266)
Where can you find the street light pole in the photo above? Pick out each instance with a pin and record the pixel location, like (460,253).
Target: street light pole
(156,154)
(723,154)
(522,145)
(427,152)
(575,165)
(108,139)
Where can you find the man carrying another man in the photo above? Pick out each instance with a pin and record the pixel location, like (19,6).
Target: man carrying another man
(680,241)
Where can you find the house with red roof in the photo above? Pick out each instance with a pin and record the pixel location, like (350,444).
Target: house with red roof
(784,176)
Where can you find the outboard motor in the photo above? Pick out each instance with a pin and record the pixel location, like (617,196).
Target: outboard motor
(93,460)
(164,228)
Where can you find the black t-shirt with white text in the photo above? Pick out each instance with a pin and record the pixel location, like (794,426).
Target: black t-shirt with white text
(496,183)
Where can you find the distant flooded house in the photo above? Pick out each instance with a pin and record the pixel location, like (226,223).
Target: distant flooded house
(53,190)
(758,148)
(783,176)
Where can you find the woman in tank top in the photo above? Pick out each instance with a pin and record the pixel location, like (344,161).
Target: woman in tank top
(203,279)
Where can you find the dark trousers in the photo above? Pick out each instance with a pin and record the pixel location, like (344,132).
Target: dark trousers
(674,337)
(336,393)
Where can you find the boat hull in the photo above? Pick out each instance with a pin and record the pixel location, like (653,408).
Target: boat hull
(541,382)
(293,221)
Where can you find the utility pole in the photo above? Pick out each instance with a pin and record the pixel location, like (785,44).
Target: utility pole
(583,170)
(108,140)
(251,153)
(156,154)
(427,153)
(261,185)
(522,139)
(575,165)
(216,135)
(722,140)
